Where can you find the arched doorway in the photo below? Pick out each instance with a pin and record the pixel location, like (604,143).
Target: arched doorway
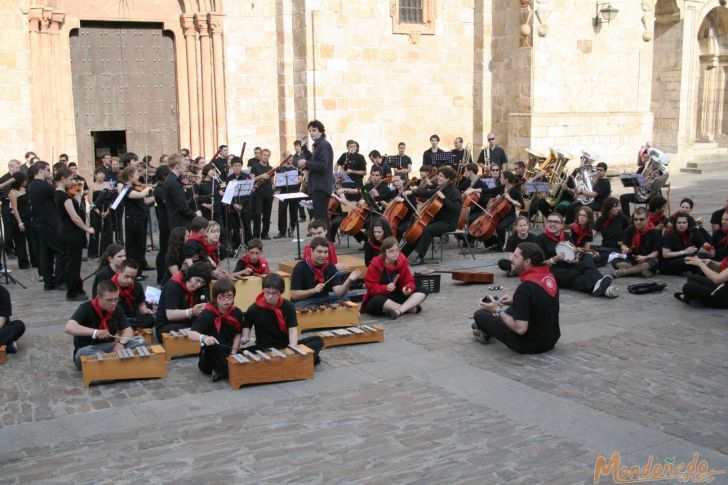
(711,116)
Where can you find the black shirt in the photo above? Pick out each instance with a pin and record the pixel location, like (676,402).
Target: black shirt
(178,210)
(721,250)
(43,203)
(384,169)
(400,162)
(205,324)
(513,241)
(135,208)
(497,156)
(716,216)
(264,187)
(137,294)
(353,161)
(173,298)
(86,316)
(105,273)
(383,192)
(195,250)
(532,304)
(6,307)
(427,158)
(649,242)
(548,246)
(613,233)
(267,331)
(160,196)
(169,261)
(603,188)
(67,224)
(220,163)
(303,278)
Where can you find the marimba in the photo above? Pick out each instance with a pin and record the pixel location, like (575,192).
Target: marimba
(294,363)
(346,259)
(147,333)
(334,315)
(363,334)
(3,354)
(248,289)
(137,363)
(177,344)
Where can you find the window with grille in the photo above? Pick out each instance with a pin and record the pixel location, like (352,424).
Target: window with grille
(410,11)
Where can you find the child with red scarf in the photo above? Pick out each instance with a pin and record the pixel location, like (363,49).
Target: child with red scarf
(131,296)
(708,289)
(95,324)
(320,229)
(218,329)
(196,247)
(179,303)
(253,263)
(378,231)
(390,284)
(656,212)
(314,278)
(580,233)
(274,319)
(530,323)
(677,243)
(641,244)
(719,249)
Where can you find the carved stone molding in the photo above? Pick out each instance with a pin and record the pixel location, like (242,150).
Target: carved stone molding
(215,22)
(188,24)
(414,30)
(647,19)
(201,26)
(526,18)
(543,11)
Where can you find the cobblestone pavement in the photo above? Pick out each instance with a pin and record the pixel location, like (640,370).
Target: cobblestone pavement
(642,375)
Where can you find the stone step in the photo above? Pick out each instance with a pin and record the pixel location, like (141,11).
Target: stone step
(691,170)
(714,162)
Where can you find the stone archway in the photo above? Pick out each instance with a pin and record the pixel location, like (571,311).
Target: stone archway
(711,115)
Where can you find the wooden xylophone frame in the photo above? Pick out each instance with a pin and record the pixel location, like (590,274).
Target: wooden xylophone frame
(147,333)
(3,354)
(177,344)
(294,363)
(362,334)
(248,288)
(125,364)
(342,314)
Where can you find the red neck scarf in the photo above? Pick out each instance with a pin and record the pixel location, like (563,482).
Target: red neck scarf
(318,273)
(725,237)
(219,317)
(656,219)
(332,253)
(375,245)
(684,237)
(260,301)
(541,275)
(126,294)
(189,295)
(637,238)
(580,233)
(560,238)
(610,218)
(210,249)
(104,318)
(724,264)
(261,267)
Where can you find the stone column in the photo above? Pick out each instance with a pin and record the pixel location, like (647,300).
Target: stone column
(208,107)
(55,77)
(188,27)
(37,69)
(215,22)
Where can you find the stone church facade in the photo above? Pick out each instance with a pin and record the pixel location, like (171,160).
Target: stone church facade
(152,76)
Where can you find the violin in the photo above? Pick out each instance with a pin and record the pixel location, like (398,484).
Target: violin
(140,187)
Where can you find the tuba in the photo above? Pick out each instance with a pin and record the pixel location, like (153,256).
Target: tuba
(535,159)
(655,175)
(584,177)
(558,176)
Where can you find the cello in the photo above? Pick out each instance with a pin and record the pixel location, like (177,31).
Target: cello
(468,202)
(484,226)
(426,215)
(354,222)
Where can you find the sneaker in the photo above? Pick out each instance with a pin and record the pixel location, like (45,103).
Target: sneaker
(215,375)
(11,348)
(61,287)
(620,273)
(648,273)
(280,235)
(601,286)
(612,292)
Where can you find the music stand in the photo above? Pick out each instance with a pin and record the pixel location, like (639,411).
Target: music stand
(632,180)
(5,271)
(536,187)
(490,182)
(104,199)
(237,188)
(443,158)
(295,196)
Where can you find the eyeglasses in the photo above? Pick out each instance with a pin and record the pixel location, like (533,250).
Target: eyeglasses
(551,221)
(639,219)
(392,250)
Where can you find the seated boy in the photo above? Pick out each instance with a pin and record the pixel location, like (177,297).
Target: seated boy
(131,296)
(196,247)
(253,262)
(10,330)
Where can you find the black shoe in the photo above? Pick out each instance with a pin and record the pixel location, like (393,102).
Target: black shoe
(418,309)
(49,287)
(418,261)
(61,287)
(79,297)
(215,375)
(141,277)
(445,238)
(317,360)
(11,255)
(280,235)
(301,219)
(394,314)
(265,237)
(24,266)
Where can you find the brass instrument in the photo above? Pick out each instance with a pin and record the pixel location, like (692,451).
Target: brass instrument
(655,175)
(535,163)
(558,176)
(585,176)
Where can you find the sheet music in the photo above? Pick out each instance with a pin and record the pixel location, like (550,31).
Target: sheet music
(293,195)
(237,188)
(285,179)
(120,197)
(490,182)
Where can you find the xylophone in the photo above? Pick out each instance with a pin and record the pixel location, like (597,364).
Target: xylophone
(363,334)
(352,262)
(147,333)
(177,344)
(138,363)
(249,287)
(294,363)
(334,315)
(3,354)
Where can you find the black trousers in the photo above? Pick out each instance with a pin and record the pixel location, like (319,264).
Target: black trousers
(604,253)
(494,327)
(237,221)
(21,242)
(117,223)
(8,223)
(168,327)
(11,331)
(141,321)
(580,276)
(50,250)
(320,201)
(136,240)
(103,234)
(163,243)
(676,266)
(314,343)
(262,209)
(700,288)
(375,305)
(435,228)
(213,357)
(287,209)
(72,249)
